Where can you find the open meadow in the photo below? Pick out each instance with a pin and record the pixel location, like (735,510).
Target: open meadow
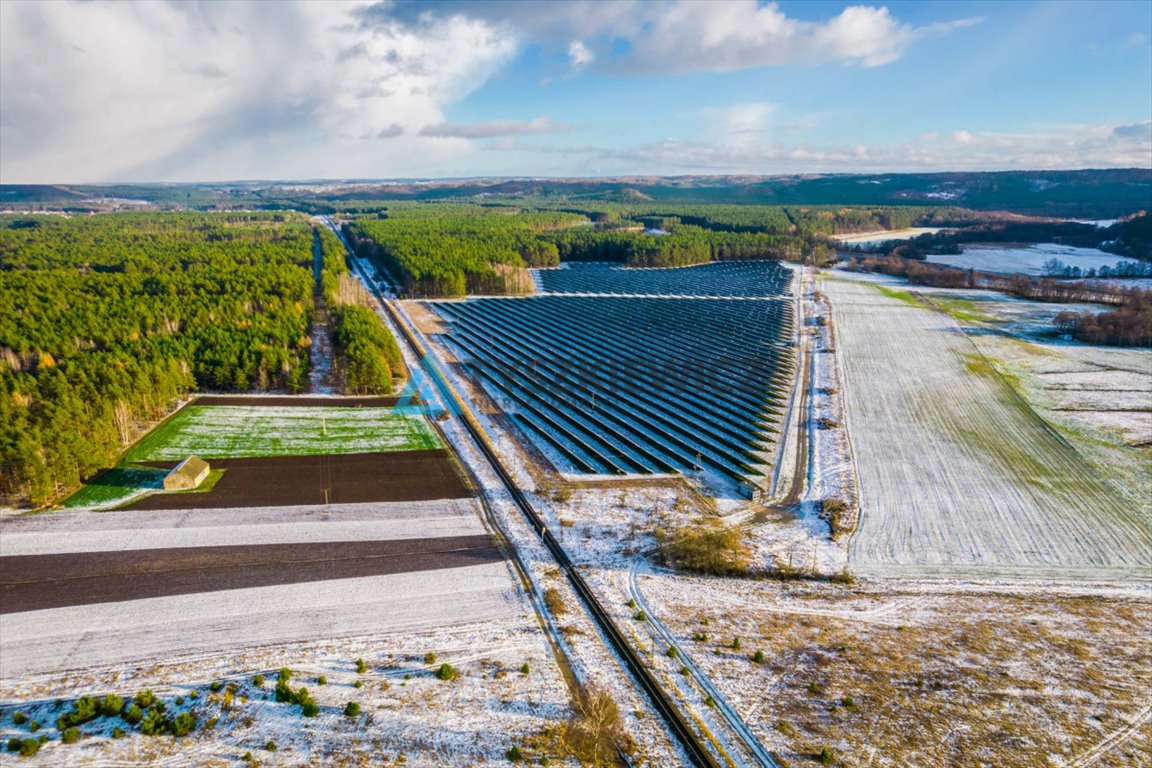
(958,475)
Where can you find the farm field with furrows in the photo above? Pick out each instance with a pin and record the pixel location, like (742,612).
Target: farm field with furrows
(637,385)
(958,474)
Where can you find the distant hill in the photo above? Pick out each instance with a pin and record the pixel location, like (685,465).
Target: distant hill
(1091,194)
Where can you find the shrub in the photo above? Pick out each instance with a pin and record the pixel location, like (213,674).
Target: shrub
(834,511)
(270,746)
(758,657)
(322,680)
(848,702)
(284,675)
(358,684)
(118,732)
(86,709)
(361,667)
(594,734)
(111,705)
(709,701)
(641,616)
(685,671)
(514,754)
(70,735)
(826,756)
(671,652)
(351,709)
(19,718)
(247,757)
(154,723)
(26,747)
(700,637)
(179,701)
(310,708)
(133,714)
(258,681)
(525,669)
(555,602)
(707,547)
(183,724)
(429,658)
(736,643)
(145,698)
(446,672)
(216,686)
(34,726)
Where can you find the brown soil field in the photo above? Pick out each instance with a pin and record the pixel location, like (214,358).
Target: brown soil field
(36,582)
(272,481)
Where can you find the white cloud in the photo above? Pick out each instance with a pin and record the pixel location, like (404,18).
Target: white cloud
(495,128)
(677,36)
(1134,40)
(580,54)
(735,35)
(134,91)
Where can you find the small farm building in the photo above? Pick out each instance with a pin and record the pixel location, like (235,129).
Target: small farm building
(186,475)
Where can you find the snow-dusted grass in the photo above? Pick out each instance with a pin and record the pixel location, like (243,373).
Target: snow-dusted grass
(407,716)
(957,473)
(933,675)
(115,487)
(1028,260)
(234,431)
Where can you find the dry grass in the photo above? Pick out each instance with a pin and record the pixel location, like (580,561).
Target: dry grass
(927,680)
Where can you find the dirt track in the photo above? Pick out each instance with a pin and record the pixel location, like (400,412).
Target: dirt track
(344,479)
(35,582)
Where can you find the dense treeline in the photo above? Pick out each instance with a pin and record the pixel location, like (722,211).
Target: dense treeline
(367,356)
(1128,325)
(1131,238)
(438,250)
(443,250)
(109,319)
(1022,286)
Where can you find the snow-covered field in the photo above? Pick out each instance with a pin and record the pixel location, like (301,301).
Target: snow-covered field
(37,642)
(936,674)
(407,716)
(885,236)
(1029,260)
(473,617)
(958,475)
(227,431)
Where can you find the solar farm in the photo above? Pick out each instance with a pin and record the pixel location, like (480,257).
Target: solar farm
(657,379)
(725,279)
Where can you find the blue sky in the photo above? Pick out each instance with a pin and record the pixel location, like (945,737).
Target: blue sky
(248,90)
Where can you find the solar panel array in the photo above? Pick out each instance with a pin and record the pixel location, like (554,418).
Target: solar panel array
(639,384)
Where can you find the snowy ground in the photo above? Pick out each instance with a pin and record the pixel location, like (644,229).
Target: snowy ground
(1029,260)
(36,642)
(408,716)
(885,236)
(957,473)
(933,675)
(474,618)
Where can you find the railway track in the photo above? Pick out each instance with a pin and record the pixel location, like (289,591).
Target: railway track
(692,744)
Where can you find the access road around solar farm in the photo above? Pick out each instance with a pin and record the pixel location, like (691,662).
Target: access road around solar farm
(695,747)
